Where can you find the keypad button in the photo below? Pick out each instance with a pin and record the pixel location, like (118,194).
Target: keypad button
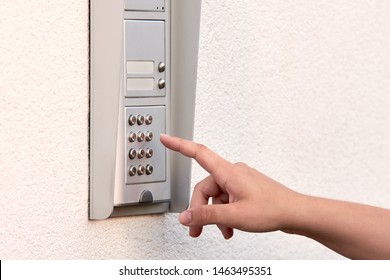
(132,120)
(141,170)
(141,153)
(148,119)
(149,169)
(140,136)
(132,137)
(132,154)
(149,153)
(148,136)
(140,119)
(132,170)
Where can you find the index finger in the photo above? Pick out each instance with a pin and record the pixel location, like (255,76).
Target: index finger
(210,161)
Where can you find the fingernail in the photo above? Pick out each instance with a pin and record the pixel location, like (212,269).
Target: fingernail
(164,137)
(186,217)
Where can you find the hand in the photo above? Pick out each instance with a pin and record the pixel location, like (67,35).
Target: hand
(242,197)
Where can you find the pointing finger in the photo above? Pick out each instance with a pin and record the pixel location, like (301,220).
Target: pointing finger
(210,161)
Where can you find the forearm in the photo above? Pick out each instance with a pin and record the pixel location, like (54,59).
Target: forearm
(354,230)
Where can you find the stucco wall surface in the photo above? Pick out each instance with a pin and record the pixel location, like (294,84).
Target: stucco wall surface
(298,89)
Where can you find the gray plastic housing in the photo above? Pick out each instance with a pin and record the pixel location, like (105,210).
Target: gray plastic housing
(107,89)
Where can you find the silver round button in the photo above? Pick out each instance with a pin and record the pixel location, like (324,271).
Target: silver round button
(140,119)
(161,84)
(141,153)
(148,119)
(161,67)
(140,136)
(132,137)
(141,170)
(149,153)
(149,169)
(132,120)
(132,170)
(132,154)
(148,136)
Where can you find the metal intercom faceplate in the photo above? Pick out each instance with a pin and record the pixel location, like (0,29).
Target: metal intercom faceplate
(145,109)
(143,80)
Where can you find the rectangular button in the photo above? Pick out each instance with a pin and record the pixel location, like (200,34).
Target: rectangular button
(140,84)
(140,67)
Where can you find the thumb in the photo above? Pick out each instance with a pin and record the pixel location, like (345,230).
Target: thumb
(220,214)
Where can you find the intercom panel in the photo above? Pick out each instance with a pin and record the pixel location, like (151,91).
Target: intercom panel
(143,81)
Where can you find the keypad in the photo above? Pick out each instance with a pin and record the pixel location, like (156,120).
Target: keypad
(146,156)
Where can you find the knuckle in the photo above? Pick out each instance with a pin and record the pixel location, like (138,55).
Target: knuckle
(204,215)
(241,168)
(200,149)
(240,164)
(197,186)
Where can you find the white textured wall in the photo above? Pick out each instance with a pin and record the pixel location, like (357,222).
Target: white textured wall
(298,89)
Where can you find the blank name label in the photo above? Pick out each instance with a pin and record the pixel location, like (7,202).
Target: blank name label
(140,67)
(141,84)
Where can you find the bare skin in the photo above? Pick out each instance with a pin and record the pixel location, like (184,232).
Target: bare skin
(245,199)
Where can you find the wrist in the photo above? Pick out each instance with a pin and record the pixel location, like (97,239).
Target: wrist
(296,213)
